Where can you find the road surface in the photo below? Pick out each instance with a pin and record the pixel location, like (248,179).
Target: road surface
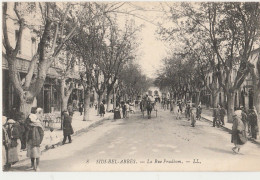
(158,144)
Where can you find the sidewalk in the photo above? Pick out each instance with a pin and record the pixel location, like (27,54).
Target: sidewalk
(207,115)
(78,126)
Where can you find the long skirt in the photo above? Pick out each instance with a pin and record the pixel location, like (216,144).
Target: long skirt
(12,155)
(33,152)
(117,115)
(3,155)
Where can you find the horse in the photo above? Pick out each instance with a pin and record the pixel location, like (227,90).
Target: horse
(147,105)
(149,108)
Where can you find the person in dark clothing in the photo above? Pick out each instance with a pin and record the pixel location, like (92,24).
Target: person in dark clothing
(188,110)
(253,122)
(34,137)
(222,114)
(124,110)
(70,110)
(215,117)
(12,129)
(198,112)
(102,109)
(81,108)
(117,112)
(67,128)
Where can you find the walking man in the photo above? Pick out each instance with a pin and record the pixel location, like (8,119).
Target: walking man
(222,114)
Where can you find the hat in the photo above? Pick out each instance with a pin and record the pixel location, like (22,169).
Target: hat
(38,110)
(11,121)
(33,117)
(4,118)
(238,113)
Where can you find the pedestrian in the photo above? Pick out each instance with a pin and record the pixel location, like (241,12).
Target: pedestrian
(13,132)
(215,117)
(40,116)
(81,108)
(188,107)
(34,139)
(198,112)
(222,114)
(67,127)
(238,131)
(102,109)
(117,112)
(52,139)
(124,109)
(22,129)
(253,122)
(70,110)
(180,106)
(6,142)
(131,107)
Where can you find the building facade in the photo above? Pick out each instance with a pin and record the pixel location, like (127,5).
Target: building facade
(244,96)
(49,98)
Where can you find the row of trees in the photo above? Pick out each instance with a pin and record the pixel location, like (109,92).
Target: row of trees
(211,38)
(84,35)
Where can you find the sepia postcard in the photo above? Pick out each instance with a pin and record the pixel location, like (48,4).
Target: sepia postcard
(130,86)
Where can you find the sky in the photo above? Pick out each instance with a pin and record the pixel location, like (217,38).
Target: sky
(151,50)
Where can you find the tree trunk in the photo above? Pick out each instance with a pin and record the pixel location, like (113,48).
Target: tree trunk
(64,104)
(197,99)
(99,102)
(214,99)
(108,100)
(25,107)
(230,106)
(86,104)
(114,98)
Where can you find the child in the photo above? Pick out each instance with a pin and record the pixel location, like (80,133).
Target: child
(52,139)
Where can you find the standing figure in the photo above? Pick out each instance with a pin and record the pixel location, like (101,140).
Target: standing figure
(70,110)
(131,107)
(222,114)
(102,109)
(6,142)
(215,117)
(179,104)
(67,127)
(34,139)
(192,117)
(117,112)
(81,108)
(13,134)
(238,131)
(124,109)
(198,112)
(253,122)
(188,107)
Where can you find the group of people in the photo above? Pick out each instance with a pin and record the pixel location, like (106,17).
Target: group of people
(245,123)
(123,109)
(29,133)
(189,111)
(218,116)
